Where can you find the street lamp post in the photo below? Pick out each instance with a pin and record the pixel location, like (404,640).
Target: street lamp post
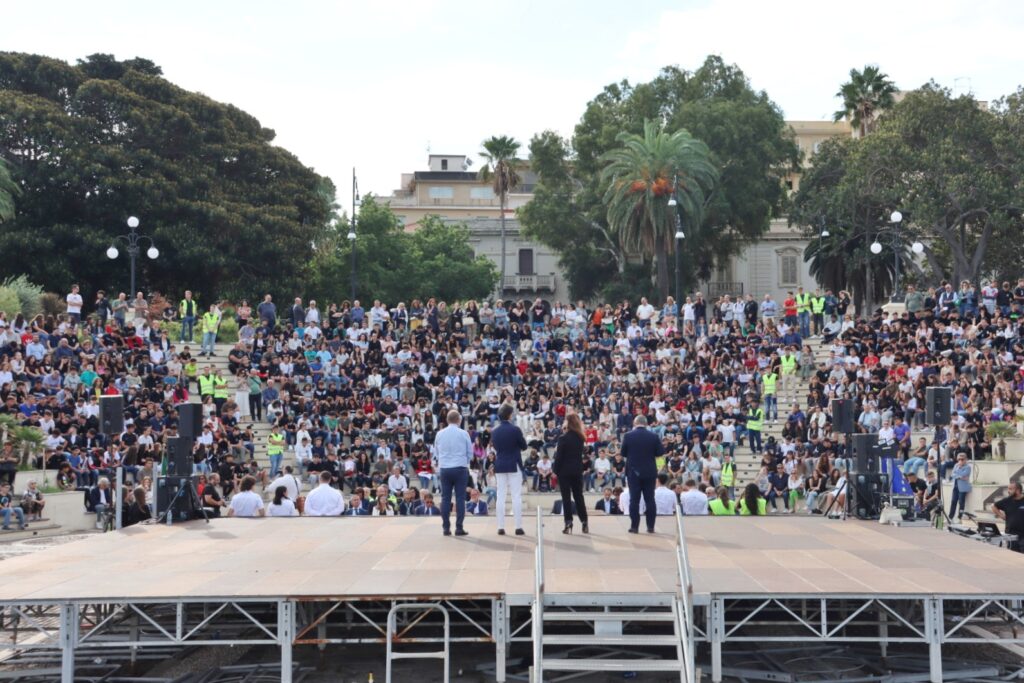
(132,244)
(673,204)
(352,231)
(896,218)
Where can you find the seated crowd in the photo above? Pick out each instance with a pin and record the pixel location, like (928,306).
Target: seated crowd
(355,395)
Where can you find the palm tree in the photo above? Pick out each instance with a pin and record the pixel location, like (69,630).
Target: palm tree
(8,191)
(642,176)
(500,153)
(867,93)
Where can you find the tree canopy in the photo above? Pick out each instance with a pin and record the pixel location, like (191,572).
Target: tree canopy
(97,142)
(392,265)
(867,94)
(748,140)
(953,168)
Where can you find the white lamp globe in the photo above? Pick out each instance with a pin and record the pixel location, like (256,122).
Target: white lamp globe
(133,222)
(351,235)
(825,233)
(152,252)
(896,217)
(917,248)
(112,252)
(680,234)
(876,248)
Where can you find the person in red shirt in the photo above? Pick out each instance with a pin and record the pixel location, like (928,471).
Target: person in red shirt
(789,309)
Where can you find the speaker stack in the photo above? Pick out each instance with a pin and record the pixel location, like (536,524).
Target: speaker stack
(112,414)
(938,405)
(168,490)
(868,490)
(865,452)
(179,465)
(842,416)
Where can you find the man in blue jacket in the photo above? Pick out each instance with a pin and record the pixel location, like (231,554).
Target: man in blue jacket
(509,444)
(641,448)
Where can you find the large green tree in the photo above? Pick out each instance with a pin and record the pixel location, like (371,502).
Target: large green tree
(748,140)
(953,168)
(91,144)
(436,260)
(651,180)
(499,153)
(8,191)
(868,93)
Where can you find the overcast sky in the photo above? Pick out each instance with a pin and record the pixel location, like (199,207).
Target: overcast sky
(375,84)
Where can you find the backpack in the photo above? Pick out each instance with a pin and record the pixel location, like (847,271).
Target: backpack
(89,507)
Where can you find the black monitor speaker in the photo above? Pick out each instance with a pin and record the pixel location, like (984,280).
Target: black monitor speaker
(179,456)
(170,489)
(868,492)
(865,452)
(190,420)
(938,402)
(112,414)
(842,416)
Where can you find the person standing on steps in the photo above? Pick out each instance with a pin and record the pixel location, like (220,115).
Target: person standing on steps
(220,391)
(206,384)
(187,312)
(788,366)
(454,455)
(210,323)
(509,444)
(755,418)
(641,448)
(568,467)
(275,449)
(769,382)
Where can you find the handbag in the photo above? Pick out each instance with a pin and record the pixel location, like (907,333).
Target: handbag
(467,320)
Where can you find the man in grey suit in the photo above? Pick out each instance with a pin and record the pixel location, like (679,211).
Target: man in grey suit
(641,448)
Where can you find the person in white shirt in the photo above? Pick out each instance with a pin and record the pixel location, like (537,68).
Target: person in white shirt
(664,498)
(397,482)
(246,503)
(644,312)
(282,506)
(325,500)
(291,483)
(74,301)
(693,501)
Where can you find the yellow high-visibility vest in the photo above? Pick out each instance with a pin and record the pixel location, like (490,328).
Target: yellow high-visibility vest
(275,444)
(220,387)
(210,322)
(206,385)
(818,305)
(788,365)
(754,420)
(768,381)
(728,473)
(803,303)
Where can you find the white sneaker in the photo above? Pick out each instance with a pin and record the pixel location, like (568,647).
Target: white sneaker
(99,525)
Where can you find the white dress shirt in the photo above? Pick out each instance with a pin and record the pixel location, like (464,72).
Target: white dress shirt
(665,501)
(324,501)
(290,483)
(694,502)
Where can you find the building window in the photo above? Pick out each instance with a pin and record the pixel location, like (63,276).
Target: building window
(481,193)
(526,262)
(441,193)
(789,274)
(444,164)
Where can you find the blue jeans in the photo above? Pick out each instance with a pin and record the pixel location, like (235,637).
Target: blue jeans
(453,478)
(18,512)
(275,464)
(187,327)
(912,465)
(755,440)
(805,323)
(957,498)
(209,339)
(771,407)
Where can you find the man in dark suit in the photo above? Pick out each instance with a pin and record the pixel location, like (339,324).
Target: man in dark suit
(608,505)
(509,444)
(641,448)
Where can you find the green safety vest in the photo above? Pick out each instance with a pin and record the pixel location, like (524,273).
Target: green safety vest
(210,322)
(188,307)
(728,473)
(788,365)
(803,303)
(275,444)
(719,508)
(206,385)
(762,506)
(768,381)
(220,387)
(754,420)
(818,305)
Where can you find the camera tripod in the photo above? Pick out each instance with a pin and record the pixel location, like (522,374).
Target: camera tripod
(189,489)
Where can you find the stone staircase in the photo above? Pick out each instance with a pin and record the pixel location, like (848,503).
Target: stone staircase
(748,464)
(260,428)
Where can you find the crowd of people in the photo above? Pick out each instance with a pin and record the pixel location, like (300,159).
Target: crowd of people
(357,395)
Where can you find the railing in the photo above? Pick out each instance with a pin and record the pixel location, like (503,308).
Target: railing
(538,602)
(717,289)
(532,283)
(392,635)
(685,616)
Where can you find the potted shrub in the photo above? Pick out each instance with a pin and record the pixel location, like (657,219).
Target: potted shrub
(998,431)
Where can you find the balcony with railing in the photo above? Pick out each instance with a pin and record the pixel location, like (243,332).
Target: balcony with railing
(529,283)
(717,289)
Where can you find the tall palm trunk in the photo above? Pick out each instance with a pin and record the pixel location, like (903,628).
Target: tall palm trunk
(501,203)
(661,262)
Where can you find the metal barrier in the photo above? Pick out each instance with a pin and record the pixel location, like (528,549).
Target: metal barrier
(425,609)
(685,615)
(538,602)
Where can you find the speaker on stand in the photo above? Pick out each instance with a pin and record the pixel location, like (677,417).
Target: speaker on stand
(112,414)
(842,416)
(938,406)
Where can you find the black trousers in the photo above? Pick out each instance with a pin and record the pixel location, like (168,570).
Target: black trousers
(256,406)
(641,486)
(571,488)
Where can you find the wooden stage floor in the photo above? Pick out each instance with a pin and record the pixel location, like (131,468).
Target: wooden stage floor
(394,557)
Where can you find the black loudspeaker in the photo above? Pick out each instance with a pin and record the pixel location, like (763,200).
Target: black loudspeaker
(865,452)
(190,420)
(167,490)
(112,414)
(868,490)
(179,456)
(842,416)
(937,405)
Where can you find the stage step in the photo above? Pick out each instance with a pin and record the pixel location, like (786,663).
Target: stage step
(586,639)
(609,616)
(617,665)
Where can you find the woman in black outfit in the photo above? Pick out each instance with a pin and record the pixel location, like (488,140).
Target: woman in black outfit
(568,467)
